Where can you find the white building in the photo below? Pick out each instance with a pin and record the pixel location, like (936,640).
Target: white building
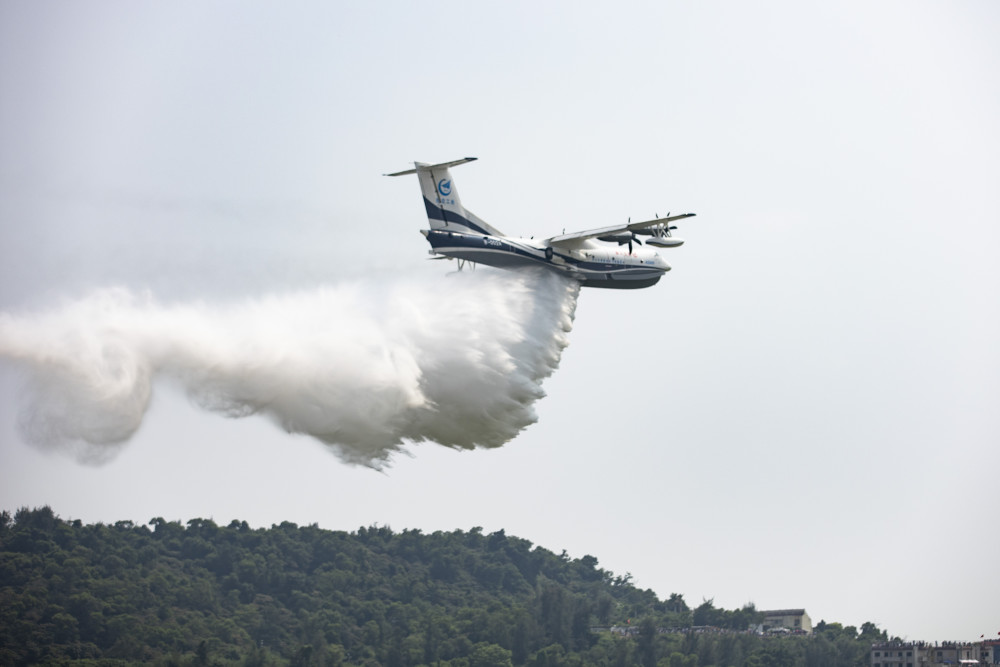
(796,620)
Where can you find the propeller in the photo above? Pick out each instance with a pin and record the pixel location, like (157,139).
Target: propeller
(633,238)
(668,227)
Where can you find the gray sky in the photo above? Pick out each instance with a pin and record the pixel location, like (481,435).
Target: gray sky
(803,413)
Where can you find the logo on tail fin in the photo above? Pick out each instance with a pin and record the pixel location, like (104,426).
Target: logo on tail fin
(444,187)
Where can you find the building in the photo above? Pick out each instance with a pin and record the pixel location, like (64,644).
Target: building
(925,654)
(796,620)
(953,653)
(900,654)
(989,652)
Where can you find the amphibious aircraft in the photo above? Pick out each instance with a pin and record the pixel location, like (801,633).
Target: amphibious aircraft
(457,233)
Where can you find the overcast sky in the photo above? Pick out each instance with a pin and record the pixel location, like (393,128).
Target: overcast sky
(804,413)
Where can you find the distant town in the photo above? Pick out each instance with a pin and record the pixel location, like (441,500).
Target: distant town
(896,653)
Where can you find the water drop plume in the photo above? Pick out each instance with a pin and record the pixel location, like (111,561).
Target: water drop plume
(362,367)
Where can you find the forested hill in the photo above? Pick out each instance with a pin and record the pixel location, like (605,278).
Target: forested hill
(204,594)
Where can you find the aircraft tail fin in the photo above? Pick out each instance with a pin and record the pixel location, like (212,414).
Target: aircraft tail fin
(444,207)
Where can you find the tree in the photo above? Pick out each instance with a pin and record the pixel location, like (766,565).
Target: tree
(647,642)
(489,655)
(201,593)
(676,603)
(871,633)
(707,614)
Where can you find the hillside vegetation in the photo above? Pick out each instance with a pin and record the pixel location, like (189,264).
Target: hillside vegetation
(201,594)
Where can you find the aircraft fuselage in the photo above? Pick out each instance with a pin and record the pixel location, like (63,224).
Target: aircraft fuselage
(593,264)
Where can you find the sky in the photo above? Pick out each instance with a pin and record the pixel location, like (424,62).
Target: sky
(801,414)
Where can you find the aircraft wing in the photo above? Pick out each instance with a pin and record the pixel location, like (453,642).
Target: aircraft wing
(575,237)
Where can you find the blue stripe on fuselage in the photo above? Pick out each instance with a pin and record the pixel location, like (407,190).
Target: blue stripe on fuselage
(435,212)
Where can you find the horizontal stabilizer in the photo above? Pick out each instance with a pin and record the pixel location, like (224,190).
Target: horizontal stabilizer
(428,167)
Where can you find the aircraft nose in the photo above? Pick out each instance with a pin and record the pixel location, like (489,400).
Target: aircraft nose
(661,264)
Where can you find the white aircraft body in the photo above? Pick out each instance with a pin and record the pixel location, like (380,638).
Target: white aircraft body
(457,233)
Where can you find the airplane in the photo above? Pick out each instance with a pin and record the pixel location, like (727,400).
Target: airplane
(457,233)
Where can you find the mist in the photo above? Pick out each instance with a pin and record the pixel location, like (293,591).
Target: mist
(362,367)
